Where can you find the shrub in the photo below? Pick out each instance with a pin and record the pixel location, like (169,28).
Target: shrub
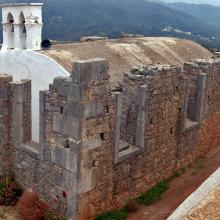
(30,207)
(52,215)
(131,206)
(154,194)
(9,193)
(113,215)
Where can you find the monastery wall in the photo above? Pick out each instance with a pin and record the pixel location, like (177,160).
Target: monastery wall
(105,147)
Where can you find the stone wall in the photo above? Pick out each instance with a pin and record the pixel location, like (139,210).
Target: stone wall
(181,124)
(101,147)
(5,107)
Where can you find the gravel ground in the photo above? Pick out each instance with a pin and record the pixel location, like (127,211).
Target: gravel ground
(7,213)
(209,209)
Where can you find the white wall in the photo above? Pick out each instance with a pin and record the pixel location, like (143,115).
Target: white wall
(33,23)
(27,9)
(23,64)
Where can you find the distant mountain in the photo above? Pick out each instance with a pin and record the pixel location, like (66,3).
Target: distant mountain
(70,19)
(207,13)
(210,2)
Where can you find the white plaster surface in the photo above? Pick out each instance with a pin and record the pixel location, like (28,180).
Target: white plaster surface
(24,64)
(32,14)
(197,197)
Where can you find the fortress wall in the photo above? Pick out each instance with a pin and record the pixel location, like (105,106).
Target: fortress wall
(208,135)
(48,167)
(181,125)
(75,120)
(101,147)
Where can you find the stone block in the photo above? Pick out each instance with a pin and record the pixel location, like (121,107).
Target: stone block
(92,108)
(32,149)
(58,123)
(85,71)
(59,156)
(74,128)
(141,120)
(63,86)
(185,104)
(5,78)
(58,81)
(118,113)
(3,93)
(91,144)
(75,91)
(87,180)
(73,108)
(201,86)
(89,109)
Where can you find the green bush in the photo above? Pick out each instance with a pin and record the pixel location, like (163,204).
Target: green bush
(154,194)
(113,215)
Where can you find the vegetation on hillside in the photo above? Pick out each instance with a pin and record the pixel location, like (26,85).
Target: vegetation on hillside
(68,20)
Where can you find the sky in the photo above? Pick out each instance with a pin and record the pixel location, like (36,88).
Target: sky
(213,2)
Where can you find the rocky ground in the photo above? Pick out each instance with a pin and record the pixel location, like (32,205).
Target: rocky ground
(209,209)
(8,213)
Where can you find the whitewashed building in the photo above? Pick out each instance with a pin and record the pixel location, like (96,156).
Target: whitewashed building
(22,37)
(22,26)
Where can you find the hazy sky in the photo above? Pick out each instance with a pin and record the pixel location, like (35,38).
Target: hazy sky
(213,2)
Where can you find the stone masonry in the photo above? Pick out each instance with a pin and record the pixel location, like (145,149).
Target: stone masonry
(104,147)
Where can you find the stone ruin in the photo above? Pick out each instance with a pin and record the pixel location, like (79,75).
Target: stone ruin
(105,147)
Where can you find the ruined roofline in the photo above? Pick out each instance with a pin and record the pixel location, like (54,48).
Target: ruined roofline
(21,4)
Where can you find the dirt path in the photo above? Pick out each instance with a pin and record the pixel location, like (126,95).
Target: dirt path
(180,188)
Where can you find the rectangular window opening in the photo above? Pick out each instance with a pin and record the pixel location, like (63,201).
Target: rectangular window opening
(194,101)
(123,148)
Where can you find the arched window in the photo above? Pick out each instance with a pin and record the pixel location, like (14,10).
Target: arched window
(22,31)
(10,31)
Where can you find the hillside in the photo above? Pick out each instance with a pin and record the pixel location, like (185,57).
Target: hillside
(68,20)
(124,53)
(207,13)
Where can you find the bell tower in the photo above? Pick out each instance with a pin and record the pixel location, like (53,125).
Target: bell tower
(22,26)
